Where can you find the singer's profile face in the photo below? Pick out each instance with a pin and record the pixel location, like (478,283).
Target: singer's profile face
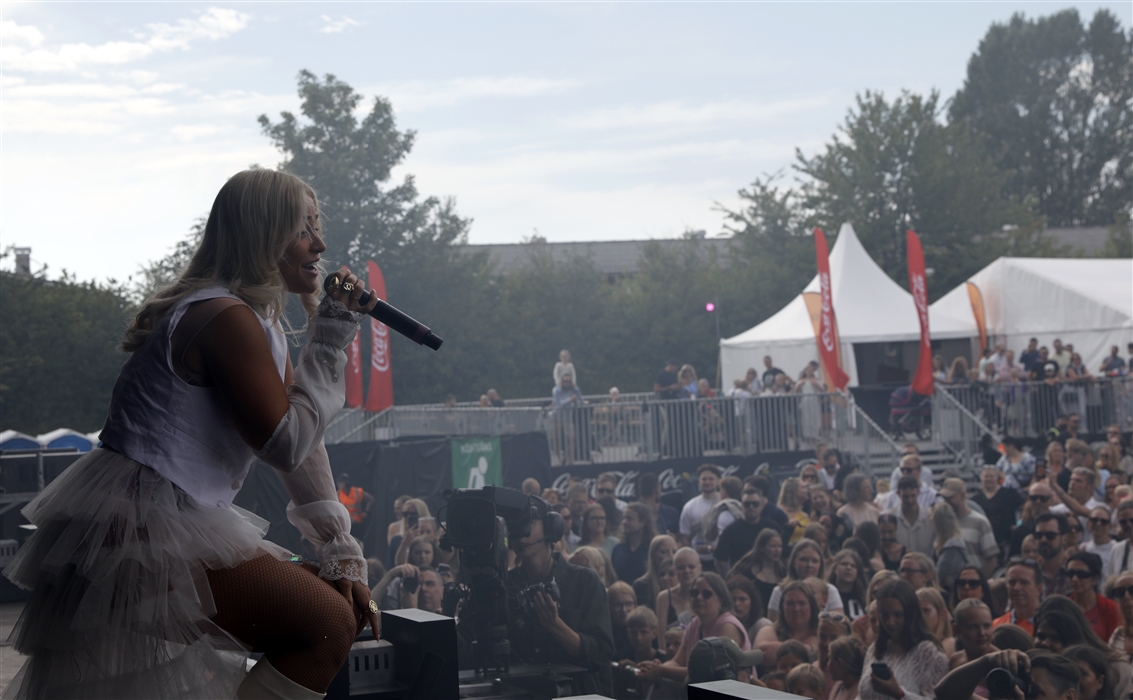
(298,266)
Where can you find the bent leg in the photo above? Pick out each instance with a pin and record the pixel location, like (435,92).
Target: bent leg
(302,625)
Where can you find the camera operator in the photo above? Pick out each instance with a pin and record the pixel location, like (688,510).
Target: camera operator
(408,586)
(576,629)
(1044,676)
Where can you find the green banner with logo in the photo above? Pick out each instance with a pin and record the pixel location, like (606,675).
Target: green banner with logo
(476,462)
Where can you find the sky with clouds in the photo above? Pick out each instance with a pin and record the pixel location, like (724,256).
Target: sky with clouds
(582,121)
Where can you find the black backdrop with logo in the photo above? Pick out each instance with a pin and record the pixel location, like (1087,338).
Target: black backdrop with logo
(422,468)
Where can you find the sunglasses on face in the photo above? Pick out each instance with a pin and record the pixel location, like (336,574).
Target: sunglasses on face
(1048,536)
(606,492)
(751,504)
(1118,593)
(836,616)
(909,470)
(1126,522)
(1099,521)
(704,593)
(1079,574)
(968,582)
(1039,499)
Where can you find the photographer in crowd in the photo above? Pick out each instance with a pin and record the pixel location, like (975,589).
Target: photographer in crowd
(1046,675)
(576,628)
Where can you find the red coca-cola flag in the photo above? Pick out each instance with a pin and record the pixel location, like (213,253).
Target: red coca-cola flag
(380,395)
(827,328)
(918,285)
(354,372)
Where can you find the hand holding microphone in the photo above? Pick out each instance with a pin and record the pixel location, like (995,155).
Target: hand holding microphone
(344,281)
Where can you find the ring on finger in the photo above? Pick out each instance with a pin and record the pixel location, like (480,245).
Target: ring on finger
(372,606)
(348,286)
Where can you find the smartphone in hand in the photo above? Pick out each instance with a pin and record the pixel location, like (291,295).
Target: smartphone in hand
(881,670)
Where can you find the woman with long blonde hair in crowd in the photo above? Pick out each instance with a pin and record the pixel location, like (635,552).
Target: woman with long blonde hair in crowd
(806,561)
(937,617)
(792,498)
(661,549)
(865,627)
(176,585)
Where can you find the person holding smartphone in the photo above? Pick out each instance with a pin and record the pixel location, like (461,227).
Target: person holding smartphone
(906,661)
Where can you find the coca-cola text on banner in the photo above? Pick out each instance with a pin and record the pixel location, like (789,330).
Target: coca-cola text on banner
(918,285)
(380,394)
(827,327)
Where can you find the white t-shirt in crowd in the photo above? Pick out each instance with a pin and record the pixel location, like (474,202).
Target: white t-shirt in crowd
(1084,521)
(833,598)
(695,510)
(561,369)
(1102,550)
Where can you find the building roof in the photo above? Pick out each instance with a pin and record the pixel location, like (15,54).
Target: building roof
(1083,240)
(611,257)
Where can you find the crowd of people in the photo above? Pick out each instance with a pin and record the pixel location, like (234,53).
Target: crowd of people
(830,580)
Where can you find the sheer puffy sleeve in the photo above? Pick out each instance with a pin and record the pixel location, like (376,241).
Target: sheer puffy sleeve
(315,510)
(318,392)
(296,447)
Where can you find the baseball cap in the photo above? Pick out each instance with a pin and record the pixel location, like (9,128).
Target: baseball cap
(717,658)
(952,487)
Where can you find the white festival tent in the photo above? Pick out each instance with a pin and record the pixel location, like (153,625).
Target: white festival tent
(1085,302)
(869,307)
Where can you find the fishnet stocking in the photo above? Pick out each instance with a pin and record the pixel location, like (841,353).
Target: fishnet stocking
(302,625)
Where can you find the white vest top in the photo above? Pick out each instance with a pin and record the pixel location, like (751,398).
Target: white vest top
(181,431)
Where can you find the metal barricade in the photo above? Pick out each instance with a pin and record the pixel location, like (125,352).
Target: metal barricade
(412,420)
(959,429)
(1029,409)
(607,432)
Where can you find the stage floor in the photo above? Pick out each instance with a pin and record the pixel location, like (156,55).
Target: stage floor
(10,661)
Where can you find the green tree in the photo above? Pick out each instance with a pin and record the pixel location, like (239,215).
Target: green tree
(349,163)
(58,356)
(415,240)
(895,167)
(1053,100)
(160,273)
(772,256)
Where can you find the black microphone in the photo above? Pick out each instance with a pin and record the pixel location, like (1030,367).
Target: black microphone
(402,323)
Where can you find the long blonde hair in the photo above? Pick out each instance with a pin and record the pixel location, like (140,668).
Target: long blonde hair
(254,219)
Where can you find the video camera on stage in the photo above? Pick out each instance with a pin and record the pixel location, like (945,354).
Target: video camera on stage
(480,523)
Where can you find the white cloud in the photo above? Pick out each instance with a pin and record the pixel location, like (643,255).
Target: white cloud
(418,95)
(678,113)
(11,32)
(188,133)
(214,23)
(142,77)
(337,26)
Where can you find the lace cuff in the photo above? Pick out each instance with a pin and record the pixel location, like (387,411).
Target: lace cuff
(327,525)
(329,308)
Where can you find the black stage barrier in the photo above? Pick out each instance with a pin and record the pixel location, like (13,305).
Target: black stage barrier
(419,467)
(422,468)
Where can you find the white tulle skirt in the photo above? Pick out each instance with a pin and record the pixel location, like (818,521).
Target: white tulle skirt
(121,604)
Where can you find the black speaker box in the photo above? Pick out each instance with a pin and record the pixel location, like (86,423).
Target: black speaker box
(425,652)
